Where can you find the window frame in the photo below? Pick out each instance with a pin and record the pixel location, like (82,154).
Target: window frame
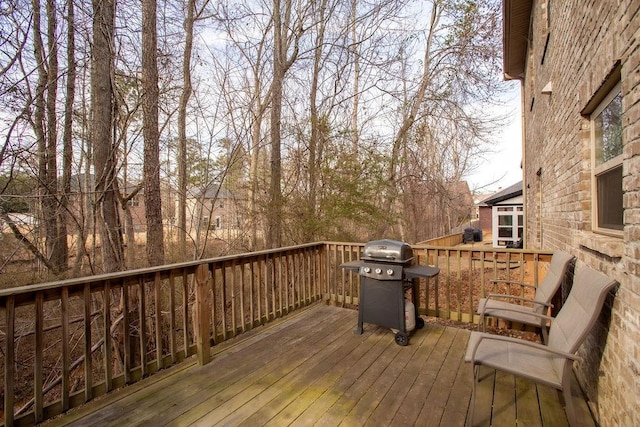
(605,167)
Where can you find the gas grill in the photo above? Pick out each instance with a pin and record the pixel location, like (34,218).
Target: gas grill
(386,271)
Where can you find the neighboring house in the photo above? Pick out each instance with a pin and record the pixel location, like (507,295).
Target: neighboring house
(83,195)
(482,212)
(136,207)
(506,216)
(578,62)
(216,209)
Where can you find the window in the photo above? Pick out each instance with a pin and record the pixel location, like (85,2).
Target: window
(606,136)
(508,224)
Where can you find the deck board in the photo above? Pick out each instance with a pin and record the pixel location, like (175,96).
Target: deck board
(310,368)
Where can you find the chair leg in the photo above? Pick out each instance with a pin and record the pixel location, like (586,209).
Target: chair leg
(475,369)
(566,394)
(569,408)
(545,335)
(482,326)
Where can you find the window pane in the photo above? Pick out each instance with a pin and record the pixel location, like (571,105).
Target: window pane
(505,220)
(608,131)
(505,232)
(610,199)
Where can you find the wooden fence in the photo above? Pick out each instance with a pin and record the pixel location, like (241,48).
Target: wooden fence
(65,343)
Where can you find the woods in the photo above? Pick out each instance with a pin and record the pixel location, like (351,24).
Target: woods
(187,129)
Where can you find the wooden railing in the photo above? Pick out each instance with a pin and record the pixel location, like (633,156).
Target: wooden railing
(65,343)
(447,241)
(466,275)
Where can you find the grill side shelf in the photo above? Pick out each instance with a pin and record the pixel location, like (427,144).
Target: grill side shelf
(416,271)
(352,265)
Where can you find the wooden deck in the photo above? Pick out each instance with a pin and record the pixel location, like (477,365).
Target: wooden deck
(311,369)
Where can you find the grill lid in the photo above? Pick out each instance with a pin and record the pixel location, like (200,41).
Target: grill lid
(387,250)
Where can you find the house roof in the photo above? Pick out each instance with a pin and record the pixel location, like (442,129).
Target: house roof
(516,15)
(212,191)
(506,194)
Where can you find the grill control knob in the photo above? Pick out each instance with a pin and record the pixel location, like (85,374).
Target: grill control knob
(366,269)
(390,272)
(378,271)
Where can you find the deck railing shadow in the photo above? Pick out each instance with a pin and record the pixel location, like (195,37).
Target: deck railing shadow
(66,343)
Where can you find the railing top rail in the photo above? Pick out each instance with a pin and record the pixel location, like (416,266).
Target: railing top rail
(188,265)
(100,278)
(481,249)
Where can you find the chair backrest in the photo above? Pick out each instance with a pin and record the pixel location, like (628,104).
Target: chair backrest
(580,312)
(558,267)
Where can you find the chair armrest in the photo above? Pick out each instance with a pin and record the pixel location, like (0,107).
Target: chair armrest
(517,310)
(515,297)
(528,285)
(518,341)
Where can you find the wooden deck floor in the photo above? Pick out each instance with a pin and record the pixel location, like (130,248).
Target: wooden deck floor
(311,369)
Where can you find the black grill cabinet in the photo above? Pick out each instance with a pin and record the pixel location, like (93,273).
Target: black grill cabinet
(386,272)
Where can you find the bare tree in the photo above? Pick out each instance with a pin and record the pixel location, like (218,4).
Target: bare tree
(67,137)
(102,105)
(150,95)
(194,12)
(286,40)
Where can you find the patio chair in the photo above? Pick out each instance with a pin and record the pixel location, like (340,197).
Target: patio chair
(504,306)
(551,364)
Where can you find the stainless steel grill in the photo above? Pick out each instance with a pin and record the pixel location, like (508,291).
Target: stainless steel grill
(386,272)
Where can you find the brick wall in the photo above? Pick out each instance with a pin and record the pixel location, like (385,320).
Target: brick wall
(586,41)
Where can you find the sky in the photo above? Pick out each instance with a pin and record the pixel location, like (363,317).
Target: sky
(501,167)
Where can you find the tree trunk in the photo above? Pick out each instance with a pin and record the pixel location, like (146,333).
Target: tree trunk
(182,126)
(42,121)
(150,95)
(284,33)
(355,134)
(274,209)
(102,103)
(318,128)
(67,136)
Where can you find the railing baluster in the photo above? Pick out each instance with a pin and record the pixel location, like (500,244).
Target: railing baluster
(88,365)
(256,271)
(296,277)
(459,286)
(214,301)
(277,268)
(64,320)
(185,312)
(448,283)
(223,293)
(142,320)
(106,314)
(9,361)
(158,320)
(173,342)
(39,349)
(470,286)
(252,320)
(126,332)
(242,303)
(270,276)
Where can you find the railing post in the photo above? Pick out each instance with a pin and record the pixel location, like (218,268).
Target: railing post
(202,313)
